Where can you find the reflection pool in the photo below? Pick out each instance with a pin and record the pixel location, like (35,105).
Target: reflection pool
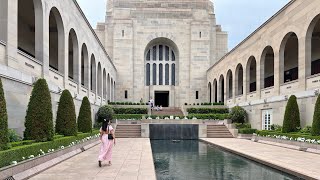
(196,160)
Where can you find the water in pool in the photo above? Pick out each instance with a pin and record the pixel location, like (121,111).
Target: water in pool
(196,160)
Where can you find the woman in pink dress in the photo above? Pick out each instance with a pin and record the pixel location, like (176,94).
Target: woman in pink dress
(107,139)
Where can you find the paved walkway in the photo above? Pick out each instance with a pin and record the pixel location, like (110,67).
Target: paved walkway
(295,161)
(132,160)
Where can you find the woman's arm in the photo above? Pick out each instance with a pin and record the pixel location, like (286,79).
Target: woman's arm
(114,137)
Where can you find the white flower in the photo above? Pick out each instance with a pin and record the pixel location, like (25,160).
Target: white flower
(318,141)
(49,150)
(14,162)
(23,158)
(62,147)
(31,156)
(52,150)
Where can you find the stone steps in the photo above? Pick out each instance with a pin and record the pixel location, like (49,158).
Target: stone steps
(218,131)
(128,131)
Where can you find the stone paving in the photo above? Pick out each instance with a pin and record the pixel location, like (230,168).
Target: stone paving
(295,161)
(132,159)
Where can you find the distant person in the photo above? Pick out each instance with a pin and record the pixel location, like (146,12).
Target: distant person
(152,103)
(107,139)
(157,108)
(160,108)
(141,101)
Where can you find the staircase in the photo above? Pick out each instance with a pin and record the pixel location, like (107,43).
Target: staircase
(218,131)
(128,131)
(168,111)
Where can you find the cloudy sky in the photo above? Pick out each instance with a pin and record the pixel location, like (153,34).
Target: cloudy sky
(238,17)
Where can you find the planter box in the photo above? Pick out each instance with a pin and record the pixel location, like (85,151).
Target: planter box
(44,162)
(302,146)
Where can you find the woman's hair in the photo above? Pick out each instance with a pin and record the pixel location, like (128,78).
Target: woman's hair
(105,124)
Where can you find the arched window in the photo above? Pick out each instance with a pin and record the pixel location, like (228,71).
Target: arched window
(56,41)
(166,74)
(104,84)
(239,80)
(289,57)
(108,88)
(229,84)
(251,75)
(313,47)
(267,67)
(215,91)
(210,92)
(99,80)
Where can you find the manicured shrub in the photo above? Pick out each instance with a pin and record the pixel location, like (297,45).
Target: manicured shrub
(13,136)
(291,120)
(66,123)
(38,121)
(4,139)
(209,116)
(238,115)
(207,110)
(242,125)
(128,116)
(130,110)
(276,127)
(16,153)
(105,112)
(316,119)
(306,129)
(247,131)
(290,135)
(84,118)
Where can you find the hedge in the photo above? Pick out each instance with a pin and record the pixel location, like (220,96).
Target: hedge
(4,133)
(238,115)
(129,116)
(66,123)
(208,110)
(315,130)
(16,153)
(130,110)
(209,116)
(38,121)
(242,125)
(84,118)
(247,131)
(126,103)
(291,120)
(290,135)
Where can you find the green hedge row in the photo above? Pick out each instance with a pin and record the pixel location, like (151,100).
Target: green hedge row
(130,110)
(198,116)
(242,126)
(126,103)
(208,110)
(129,116)
(205,104)
(247,131)
(293,135)
(209,116)
(16,153)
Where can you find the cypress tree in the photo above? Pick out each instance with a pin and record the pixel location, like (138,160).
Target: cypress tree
(66,123)
(4,137)
(38,121)
(84,118)
(292,116)
(315,130)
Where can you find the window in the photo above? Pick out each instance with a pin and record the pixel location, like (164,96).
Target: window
(122,33)
(266,119)
(148,74)
(160,53)
(148,56)
(154,75)
(167,74)
(154,53)
(160,74)
(173,75)
(126,94)
(197,94)
(200,34)
(167,53)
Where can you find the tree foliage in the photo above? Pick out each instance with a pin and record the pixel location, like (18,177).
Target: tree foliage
(315,130)
(38,121)
(4,136)
(291,121)
(238,115)
(105,112)
(84,118)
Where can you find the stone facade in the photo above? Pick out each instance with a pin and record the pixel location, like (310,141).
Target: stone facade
(53,40)
(188,27)
(279,59)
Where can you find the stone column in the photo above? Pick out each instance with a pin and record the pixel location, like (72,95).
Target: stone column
(302,66)
(258,79)
(233,88)
(170,83)
(11,34)
(246,82)
(77,70)
(278,72)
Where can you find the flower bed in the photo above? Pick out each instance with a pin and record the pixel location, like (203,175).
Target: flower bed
(299,137)
(191,116)
(24,152)
(208,110)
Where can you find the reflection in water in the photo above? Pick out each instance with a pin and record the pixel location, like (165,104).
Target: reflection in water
(195,160)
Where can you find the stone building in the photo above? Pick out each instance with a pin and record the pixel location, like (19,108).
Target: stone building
(279,59)
(51,39)
(162,49)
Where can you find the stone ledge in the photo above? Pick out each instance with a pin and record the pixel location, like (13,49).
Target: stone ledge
(300,146)
(32,167)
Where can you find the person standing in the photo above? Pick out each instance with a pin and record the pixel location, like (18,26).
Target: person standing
(107,138)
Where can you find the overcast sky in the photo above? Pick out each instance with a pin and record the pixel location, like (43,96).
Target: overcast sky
(238,17)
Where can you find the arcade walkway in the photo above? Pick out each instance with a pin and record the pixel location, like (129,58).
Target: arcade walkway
(132,159)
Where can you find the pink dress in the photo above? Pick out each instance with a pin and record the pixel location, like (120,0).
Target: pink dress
(106,147)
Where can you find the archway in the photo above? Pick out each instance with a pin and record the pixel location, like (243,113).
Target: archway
(104,84)
(252,74)
(99,80)
(84,66)
(56,41)
(289,58)
(93,75)
(229,84)
(313,47)
(73,55)
(108,88)
(267,68)
(215,91)
(239,80)
(221,89)
(210,92)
